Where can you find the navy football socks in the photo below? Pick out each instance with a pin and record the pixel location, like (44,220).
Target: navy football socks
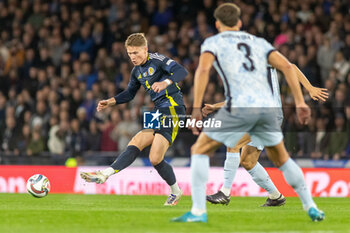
(126,158)
(166,172)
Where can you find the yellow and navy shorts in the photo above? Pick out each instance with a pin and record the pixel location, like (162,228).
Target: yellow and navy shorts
(170,121)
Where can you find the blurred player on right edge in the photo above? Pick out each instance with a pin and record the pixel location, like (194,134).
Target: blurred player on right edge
(241,60)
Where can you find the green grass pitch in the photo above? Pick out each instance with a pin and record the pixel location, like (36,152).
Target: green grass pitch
(21,213)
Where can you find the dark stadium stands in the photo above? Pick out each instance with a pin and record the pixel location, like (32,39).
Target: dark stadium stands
(59,58)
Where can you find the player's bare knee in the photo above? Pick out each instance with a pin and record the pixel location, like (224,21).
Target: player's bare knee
(135,141)
(140,142)
(248,165)
(278,163)
(155,161)
(196,149)
(278,154)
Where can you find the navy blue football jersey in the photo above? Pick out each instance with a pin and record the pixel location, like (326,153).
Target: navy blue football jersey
(156,69)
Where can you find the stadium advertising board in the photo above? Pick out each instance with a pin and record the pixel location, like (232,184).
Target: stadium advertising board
(146,181)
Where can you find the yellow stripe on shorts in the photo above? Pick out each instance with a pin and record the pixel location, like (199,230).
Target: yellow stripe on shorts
(173,113)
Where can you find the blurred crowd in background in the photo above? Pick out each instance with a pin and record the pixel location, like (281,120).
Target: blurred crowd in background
(59,58)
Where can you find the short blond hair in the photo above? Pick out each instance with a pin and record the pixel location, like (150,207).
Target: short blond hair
(136,40)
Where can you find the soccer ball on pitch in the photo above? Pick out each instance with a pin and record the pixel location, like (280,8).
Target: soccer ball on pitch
(38,185)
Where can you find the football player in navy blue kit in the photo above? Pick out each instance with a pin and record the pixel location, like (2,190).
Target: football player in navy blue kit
(159,76)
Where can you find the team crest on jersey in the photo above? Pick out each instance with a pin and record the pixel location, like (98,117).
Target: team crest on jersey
(151,71)
(144,74)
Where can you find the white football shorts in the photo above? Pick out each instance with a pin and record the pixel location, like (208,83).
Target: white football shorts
(262,124)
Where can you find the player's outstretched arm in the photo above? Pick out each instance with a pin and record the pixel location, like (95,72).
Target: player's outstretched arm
(319,94)
(209,108)
(122,97)
(201,79)
(278,61)
(128,94)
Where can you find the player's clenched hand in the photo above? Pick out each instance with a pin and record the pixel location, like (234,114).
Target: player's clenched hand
(196,115)
(102,105)
(303,113)
(320,94)
(159,86)
(105,103)
(207,109)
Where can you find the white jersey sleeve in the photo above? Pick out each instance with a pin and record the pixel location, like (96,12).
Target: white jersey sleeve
(209,46)
(267,46)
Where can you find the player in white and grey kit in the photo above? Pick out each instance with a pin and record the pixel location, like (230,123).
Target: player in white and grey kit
(241,60)
(249,156)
